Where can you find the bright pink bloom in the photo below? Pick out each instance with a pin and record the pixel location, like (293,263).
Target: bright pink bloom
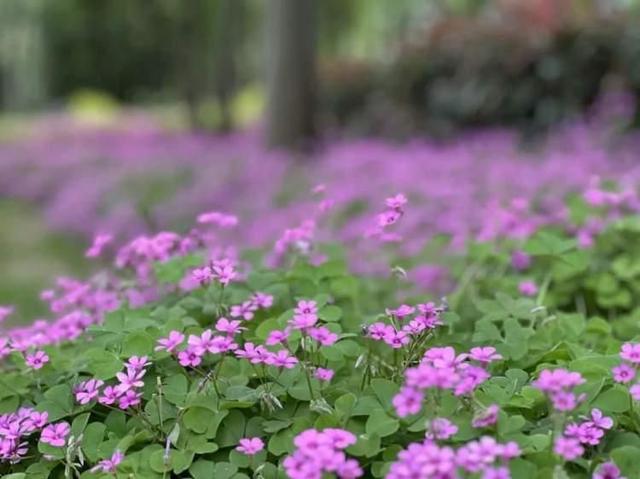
(323,374)
(568,448)
(109,466)
(171,342)
(487,417)
(441,428)
(86,391)
(630,352)
(37,360)
(528,288)
(250,446)
(55,434)
(623,373)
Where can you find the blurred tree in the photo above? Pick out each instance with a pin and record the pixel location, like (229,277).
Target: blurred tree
(290,43)
(22,66)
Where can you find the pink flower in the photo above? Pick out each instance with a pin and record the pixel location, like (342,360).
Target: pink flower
(99,242)
(630,352)
(109,466)
(130,380)
(109,396)
(37,360)
(230,327)
(568,448)
(202,275)
(137,363)
(129,398)
(379,331)
(262,300)
(171,342)
(306,307)
(87,391)
(607,470)
(484,355)
(441,428)
(397,339)
(277,337)
(623,373)
(250,446)
(55,434)
(323,374)
(487,417)
(408,401)
(401,311)
(189,358)
(245,310)
(203,343)
(528,288)
(396,202)
(600,420)
(223,271)
(282,359)
(255,354)
(323,336)
(388,218)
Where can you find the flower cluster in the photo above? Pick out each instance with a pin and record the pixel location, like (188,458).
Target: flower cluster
(320,452)
(125,394)
(577,436)
(15,428)
(220,270)
(558,384)
(627,371)
(441,368)
(419,320)
(427,459)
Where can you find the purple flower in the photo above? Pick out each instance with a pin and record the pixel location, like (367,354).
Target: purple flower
(171,342)
(109,466)
(323,335)
(189,358)
(250,446)
(528,288)
(86,391)
(282,359)
(130,380)
(441,428)
(568,448)
(484,355)
(487,417)
(607,470)
(36,360)
(623,373)
(408,401)
(630,352)
(129,398)
(323,374)
(55,434)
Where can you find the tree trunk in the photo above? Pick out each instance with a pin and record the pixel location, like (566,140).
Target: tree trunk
(290,39)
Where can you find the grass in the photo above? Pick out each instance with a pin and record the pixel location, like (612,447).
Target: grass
(31,257)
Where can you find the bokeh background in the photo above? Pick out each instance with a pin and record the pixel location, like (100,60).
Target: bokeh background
(130,116)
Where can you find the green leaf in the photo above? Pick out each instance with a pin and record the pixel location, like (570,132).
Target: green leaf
(614,400)
(384,391)
(138,343)
(91,440)
(330,313)
(198,418)
(103,364)
(381,424)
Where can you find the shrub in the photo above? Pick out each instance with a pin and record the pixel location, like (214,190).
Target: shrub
(188,361)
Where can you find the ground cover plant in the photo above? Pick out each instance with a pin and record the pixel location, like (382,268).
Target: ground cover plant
(191,358)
